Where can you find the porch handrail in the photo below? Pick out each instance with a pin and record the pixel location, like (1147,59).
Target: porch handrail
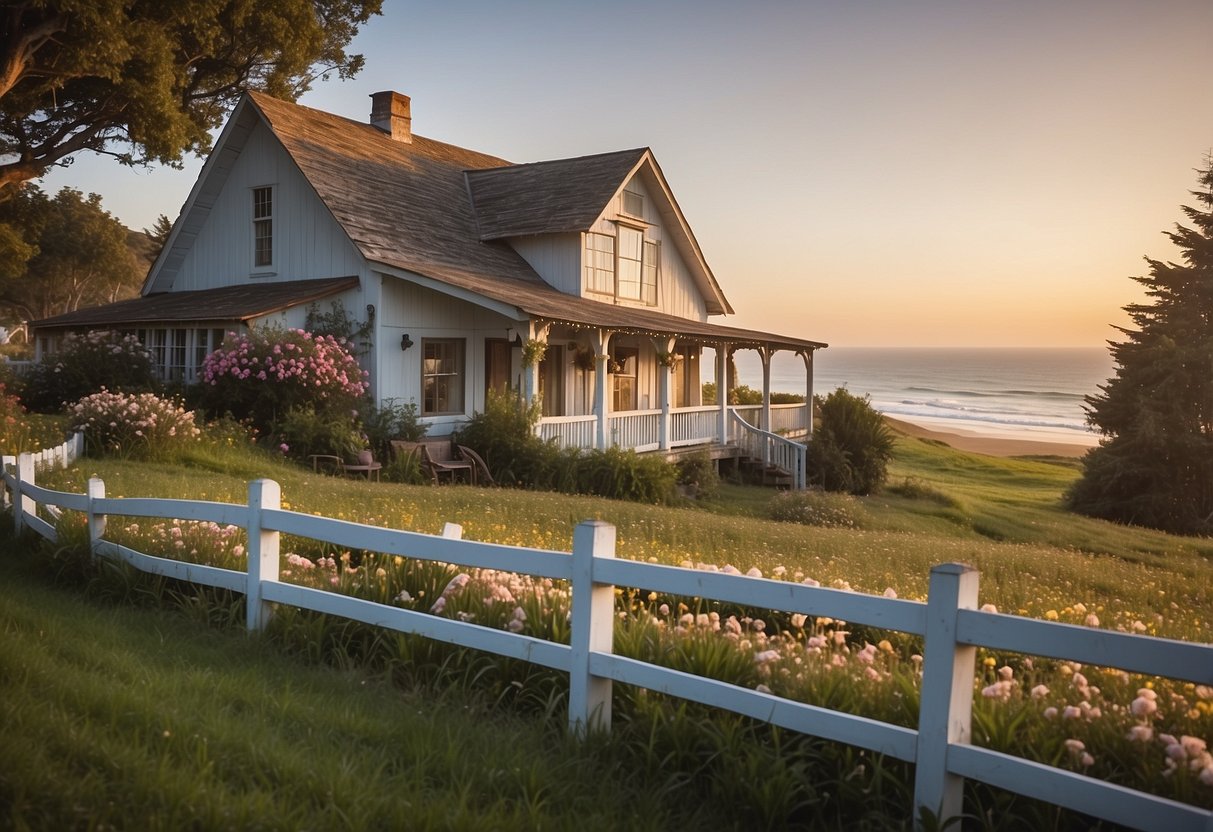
(772,449)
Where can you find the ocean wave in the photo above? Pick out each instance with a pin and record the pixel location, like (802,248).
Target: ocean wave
(977,394)
(986,417)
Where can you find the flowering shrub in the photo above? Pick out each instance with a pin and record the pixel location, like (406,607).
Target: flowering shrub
(19,432)
(85,364)
(267,372)
(139,425)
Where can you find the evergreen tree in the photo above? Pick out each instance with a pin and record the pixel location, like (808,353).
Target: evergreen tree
(1155,466)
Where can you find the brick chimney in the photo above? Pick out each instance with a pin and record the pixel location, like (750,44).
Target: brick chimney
(390,113)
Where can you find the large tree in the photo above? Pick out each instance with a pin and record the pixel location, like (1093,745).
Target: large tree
(1155,465)
(146,80)
(77,255)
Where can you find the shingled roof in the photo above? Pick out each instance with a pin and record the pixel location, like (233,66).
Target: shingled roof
(548,197)
(223,305)
(441,212)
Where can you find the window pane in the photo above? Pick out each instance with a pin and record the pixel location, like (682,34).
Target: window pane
(631,244)
(651,259)
(442,375)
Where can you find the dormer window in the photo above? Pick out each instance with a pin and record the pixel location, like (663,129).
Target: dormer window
(263,227)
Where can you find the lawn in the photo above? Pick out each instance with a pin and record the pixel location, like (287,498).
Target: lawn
(666,764)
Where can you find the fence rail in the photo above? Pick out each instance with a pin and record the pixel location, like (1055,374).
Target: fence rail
(948,621)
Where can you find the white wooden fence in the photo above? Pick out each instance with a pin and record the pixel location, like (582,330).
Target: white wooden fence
(949,623)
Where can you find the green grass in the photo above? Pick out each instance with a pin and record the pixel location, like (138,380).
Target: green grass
(1002,515)
(135,718)
(87,731)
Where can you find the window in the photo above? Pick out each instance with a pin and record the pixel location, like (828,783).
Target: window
(263,227)
(633,203)
(624,398)
(441,376)
(178,353)
(600,263)
(626,266)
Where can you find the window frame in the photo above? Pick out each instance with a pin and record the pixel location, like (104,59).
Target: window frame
(454,381)
(263,229)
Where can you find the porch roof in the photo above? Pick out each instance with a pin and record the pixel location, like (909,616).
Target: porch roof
(225,304)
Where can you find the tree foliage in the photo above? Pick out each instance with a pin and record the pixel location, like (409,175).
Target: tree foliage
(1155,465)
(62,253)
(147,80)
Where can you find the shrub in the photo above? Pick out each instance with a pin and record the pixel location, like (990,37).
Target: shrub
(850,451)
(389,421)
(85,364)
(625,475)
(267,372)
(816,508)
(504,434)
(303,431)
(698,471)
(19,432)
(135,425)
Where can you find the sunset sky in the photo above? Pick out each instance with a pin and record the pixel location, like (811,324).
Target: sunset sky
(862,173)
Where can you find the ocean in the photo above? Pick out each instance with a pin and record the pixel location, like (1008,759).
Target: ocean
(1019,393)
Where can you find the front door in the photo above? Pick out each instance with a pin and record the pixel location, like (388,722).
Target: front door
(496,365)
(551,381)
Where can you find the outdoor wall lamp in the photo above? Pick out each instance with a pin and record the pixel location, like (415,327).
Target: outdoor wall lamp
(405,341)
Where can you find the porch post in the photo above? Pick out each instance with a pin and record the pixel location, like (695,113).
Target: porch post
(530,372)
(765,354)
(665,372)
(600,341)
(722,393)
(807,357)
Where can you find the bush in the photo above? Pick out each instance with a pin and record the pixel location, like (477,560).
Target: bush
(504,435)
(268,372)
(133,425)
(100,360)
(816,508)
(391,421)
(697,471)
(303,431)
(19,432)
(850,451)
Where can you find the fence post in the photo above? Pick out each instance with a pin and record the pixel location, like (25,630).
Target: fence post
(5,462)
(592,628)
(262,550)
(77,445)
(945,709)
(22,503)
(96,522)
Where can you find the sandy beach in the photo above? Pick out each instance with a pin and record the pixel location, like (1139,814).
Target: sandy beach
(992,445)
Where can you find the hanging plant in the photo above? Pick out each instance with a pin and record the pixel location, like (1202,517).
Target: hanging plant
(583,359)
(668,359)
(614,366)
(533,351)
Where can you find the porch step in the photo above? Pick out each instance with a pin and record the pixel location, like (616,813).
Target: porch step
(766,474)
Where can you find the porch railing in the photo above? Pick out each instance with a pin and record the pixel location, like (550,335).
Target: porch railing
(788,419)
(771,449)
(639,430)
(569,431)
(693,425)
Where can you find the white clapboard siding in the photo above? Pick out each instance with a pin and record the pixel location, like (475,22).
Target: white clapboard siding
(950,626)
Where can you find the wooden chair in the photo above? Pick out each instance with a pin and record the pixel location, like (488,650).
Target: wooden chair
(437,459)
(480,472)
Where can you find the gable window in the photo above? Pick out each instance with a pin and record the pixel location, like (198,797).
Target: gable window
(633,203)
(442,374)
(626,266)
(263,227)
(600,263)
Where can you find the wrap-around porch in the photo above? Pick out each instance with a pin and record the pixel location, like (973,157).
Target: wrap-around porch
(764,432)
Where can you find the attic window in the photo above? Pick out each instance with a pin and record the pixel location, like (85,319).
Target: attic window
(263,227)
(633,203)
